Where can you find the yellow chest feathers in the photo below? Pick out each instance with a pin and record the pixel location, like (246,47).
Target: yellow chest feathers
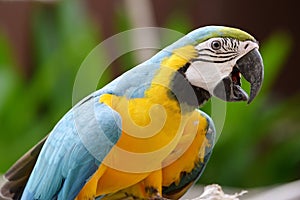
(146,126)
(154,124)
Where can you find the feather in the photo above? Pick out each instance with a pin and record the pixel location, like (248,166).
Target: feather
(17,176)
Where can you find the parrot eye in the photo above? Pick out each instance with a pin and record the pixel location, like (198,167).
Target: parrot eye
(216,45)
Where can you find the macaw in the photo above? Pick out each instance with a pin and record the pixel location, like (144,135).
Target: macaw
(142,136)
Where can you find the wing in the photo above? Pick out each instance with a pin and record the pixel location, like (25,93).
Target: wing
(176,190)
(17,176)
(73,151)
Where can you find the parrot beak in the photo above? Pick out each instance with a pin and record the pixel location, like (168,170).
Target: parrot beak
(250,66)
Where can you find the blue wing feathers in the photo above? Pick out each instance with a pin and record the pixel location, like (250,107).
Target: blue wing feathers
(73,151)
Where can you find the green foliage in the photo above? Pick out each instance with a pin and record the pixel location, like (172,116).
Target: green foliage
(62,36)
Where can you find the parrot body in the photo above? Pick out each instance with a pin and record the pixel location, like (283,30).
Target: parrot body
(142,135)
(190,128)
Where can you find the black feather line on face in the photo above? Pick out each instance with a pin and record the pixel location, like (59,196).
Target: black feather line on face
(184,91)
(183,69)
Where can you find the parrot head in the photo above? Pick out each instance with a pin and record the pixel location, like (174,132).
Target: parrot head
(223,56)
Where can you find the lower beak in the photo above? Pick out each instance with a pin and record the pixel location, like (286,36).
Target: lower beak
(251,68)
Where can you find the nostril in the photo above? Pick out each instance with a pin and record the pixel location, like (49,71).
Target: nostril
(246,46)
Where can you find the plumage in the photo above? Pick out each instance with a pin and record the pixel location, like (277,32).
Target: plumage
(19,173)
(142,135)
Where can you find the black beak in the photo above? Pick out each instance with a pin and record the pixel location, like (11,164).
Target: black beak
(251,67)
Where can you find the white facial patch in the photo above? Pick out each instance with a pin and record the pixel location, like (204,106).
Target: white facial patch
(214,64)
(206,76)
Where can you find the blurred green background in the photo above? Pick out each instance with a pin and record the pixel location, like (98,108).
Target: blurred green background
(42,45)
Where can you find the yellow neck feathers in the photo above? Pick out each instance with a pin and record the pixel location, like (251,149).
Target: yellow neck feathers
(161,85)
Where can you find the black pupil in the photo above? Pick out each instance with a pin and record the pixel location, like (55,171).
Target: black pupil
(216,45)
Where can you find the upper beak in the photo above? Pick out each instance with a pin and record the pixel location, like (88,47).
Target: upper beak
(251,67)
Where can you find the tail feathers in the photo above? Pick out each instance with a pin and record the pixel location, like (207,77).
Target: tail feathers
(16,177)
